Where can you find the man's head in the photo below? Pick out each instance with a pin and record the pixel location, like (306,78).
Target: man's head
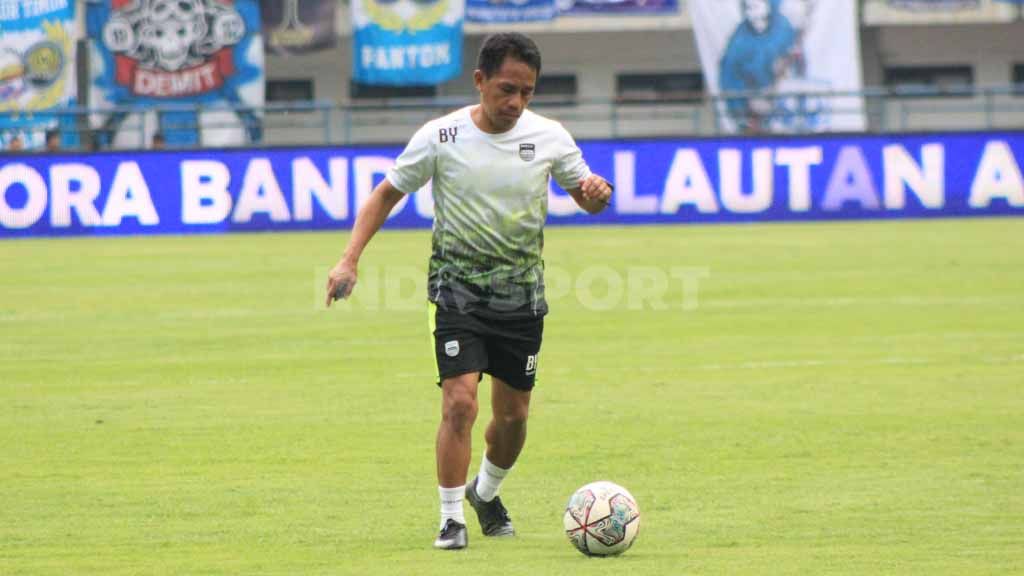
(159,142)
(757,13)
(16,144)
(506,76)
(52,140)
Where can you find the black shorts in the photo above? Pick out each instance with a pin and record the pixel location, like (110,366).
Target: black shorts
(505,349)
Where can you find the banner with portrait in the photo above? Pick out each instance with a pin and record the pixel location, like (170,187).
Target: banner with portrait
(37,68)
(776,65)
(510,10)
(201,61)
(297,26)
(407,42)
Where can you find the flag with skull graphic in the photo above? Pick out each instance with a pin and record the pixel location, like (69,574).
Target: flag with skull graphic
(177,51)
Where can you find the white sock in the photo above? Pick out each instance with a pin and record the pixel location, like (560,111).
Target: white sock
(489,480)
(451,504)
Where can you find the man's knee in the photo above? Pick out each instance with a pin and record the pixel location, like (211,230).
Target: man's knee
(512,413)
(512,418)
(460,405)
(511,406)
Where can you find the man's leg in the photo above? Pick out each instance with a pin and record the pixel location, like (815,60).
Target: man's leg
(505,437)
(506,434)
(454,445)
(454,436)
(512,349)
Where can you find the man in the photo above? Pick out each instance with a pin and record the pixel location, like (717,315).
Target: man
(490,164)
(16,144)
(53,140)
(757,50)
(158,142)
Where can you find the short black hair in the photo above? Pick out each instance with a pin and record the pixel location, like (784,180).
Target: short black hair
(51,133)
(498,46)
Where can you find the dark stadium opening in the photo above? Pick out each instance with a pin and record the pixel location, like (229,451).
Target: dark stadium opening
(556,89)
(930,81)
(290,90)
(360,91)
(648,87)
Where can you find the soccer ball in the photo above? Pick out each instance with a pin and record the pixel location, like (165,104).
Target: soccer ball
(602,519)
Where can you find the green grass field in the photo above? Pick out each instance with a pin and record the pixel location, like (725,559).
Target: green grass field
(839,399)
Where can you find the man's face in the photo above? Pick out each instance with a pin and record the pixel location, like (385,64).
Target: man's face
(506,93)
(757,12)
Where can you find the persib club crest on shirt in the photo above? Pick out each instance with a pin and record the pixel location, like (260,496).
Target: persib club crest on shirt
(527,152)
(173,48)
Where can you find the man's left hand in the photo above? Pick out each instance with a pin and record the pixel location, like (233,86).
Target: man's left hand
(596,189)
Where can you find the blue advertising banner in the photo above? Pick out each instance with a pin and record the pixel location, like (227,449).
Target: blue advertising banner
(510,10)
(656,181)
(177,52)
(406,43)
(37,69)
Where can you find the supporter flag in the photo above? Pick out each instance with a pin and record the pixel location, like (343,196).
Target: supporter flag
(296,26)
(792,52)
(407,42)
(37,69)
(181,53)
(510,10)
(625,7)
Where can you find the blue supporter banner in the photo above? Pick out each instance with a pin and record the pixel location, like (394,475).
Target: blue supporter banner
(628,7)
(510,11)
(404,43)
(37,70)
(178,52)
(656,181)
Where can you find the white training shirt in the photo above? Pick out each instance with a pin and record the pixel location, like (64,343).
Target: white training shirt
(490,198)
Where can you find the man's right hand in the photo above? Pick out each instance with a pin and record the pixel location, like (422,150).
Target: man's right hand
(340,281)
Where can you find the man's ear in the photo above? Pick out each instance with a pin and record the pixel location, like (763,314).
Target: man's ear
(478,79)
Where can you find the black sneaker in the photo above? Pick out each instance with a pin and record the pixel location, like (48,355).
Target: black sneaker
(494,518)
(452,536)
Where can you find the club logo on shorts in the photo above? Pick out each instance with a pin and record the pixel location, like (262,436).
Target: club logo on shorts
(451,348)
(527,152)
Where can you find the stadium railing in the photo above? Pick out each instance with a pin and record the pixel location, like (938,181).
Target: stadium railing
(879,110)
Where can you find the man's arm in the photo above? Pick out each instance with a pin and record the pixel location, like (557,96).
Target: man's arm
(593,194)
(342,278)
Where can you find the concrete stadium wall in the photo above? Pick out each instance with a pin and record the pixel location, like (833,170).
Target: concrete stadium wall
(597,56)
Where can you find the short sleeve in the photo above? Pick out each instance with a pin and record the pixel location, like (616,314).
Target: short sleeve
(415,166)
(569,167)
